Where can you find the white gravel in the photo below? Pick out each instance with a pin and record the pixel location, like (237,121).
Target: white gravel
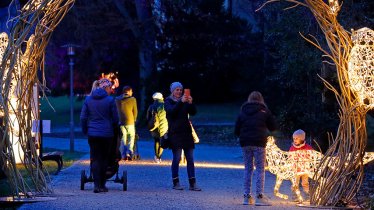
(150,185)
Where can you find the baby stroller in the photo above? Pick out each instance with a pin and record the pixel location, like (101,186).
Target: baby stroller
(112,169)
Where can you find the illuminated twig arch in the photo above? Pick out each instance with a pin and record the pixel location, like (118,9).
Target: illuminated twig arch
(339,186)
(18,75)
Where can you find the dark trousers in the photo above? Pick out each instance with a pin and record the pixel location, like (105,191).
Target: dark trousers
(99,152)
(190,162)
(158,148)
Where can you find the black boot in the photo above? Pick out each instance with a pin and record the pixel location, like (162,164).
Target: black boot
(96,187)
(176,185)
(103,188)
(193,185)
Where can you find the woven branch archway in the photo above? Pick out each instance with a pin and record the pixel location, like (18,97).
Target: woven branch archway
(18,75)
(339,186)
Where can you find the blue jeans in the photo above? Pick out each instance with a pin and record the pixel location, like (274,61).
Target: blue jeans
(128,139)
(190,162)
(258,154)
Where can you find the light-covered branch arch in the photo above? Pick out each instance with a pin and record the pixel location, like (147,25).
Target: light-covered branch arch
(21,55)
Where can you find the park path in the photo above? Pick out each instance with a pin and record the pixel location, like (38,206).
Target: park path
(219,173)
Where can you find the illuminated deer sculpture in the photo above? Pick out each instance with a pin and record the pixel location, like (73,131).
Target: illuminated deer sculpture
(284,167)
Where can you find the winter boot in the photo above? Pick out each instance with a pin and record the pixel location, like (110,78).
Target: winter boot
(248,199)
(96,186)
(103,188)
(193,185)
(176,185)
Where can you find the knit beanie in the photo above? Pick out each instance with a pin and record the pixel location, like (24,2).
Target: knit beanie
(175,85)
(157,96)
(104,82)
(300,134)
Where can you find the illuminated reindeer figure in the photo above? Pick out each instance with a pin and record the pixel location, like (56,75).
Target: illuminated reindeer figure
(285,168)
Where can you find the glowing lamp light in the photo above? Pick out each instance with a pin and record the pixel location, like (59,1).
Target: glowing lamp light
(360,66)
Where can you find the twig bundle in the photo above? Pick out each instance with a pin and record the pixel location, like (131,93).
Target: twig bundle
(18,76)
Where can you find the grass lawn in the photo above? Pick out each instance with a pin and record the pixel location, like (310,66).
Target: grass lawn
(216,113)
(50,166)
(60,113)
(68,159)
(57,109)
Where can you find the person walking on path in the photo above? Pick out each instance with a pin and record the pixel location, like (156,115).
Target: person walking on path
(128,112)
(98,118)
(178,108)
(160,128)
(252,127)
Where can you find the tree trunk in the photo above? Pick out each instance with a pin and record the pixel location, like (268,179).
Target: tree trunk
(146,49)
(146,38)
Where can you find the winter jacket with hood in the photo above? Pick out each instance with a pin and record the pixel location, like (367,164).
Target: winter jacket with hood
(127,109)
(99,114)
(253,124)
(158,108)
(180,133)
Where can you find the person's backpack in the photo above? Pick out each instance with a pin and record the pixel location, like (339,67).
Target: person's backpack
(153,121)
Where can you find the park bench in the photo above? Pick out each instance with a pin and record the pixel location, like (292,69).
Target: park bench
(45,127)
(54,156)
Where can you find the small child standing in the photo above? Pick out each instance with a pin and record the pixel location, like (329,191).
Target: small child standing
(299,154)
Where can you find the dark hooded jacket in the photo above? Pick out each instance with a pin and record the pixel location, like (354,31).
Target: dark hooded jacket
(159,109)
(99,114)
(180,133)
(253,124)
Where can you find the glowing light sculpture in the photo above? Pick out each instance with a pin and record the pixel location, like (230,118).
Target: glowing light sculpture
(361,66)
(284,167)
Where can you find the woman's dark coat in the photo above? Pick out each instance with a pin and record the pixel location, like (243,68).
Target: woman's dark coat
(253,125)
(99,114)
(179,132)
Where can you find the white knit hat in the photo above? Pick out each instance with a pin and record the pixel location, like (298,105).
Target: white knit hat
(157,96)
(300,134)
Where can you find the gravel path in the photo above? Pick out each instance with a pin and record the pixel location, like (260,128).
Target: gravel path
(218,170)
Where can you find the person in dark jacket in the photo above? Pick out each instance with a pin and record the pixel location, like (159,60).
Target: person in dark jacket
(98,118)
(252,127)
(178,108)
(128,112)
(161,128)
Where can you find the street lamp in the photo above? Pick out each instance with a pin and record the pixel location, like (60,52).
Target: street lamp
(71,53)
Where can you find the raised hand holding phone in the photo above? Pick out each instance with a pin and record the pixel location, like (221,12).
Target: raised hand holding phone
(187,95)
(187,92)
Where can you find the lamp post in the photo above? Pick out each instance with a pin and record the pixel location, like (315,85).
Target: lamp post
(71,53)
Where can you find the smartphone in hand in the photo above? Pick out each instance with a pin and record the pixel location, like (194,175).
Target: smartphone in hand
(187,92)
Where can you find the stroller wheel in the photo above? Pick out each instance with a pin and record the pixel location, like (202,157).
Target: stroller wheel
(124,180)
(83,179)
